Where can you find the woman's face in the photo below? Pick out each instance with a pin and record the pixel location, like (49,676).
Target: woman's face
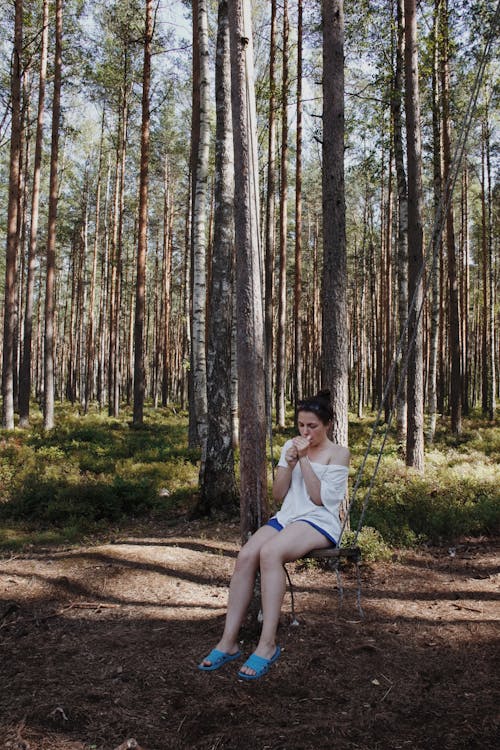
(311,426)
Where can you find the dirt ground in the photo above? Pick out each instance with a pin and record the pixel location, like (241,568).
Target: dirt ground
(99,645)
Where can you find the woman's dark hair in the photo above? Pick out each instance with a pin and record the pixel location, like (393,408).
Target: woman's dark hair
(318,404)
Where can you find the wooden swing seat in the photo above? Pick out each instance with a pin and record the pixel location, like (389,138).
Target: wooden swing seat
(352,554)
(333,555)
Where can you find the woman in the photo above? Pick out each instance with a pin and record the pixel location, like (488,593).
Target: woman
(311,481)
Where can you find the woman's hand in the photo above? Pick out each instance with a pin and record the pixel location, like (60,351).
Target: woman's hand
(301,445)
(291,456)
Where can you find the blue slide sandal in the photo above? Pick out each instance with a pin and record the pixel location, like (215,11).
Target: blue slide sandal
(217,659)
(259,664)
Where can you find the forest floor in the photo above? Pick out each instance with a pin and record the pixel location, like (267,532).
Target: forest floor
(99,644)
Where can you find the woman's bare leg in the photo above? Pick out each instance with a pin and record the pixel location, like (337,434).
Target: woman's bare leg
(241,588)
(292,543)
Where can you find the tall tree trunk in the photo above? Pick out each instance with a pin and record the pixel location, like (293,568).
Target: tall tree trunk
(465,290)
(49,382)
(454,317)
(335,323)
(270,214)
(186,392)
(199,236)
(492,351)
(103,297)
(387,313)
(140,293)
(250,343)
(189,262)
(281,333)
(90,348)
(166,284)
(415,434)
(298,217)
(488,387)
(12,226)
(437,238)
(402,241)
(115,280)
(25,370)
(218,489)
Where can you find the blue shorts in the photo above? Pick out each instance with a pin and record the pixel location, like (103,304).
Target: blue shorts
(278,526)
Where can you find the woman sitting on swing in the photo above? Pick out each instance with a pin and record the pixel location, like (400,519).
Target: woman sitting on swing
(311,482)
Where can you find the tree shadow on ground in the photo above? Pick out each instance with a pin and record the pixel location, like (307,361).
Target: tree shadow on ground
(77,675)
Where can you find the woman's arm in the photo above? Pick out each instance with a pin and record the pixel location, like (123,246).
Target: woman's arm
(313,484)
(282,480)
(283,476)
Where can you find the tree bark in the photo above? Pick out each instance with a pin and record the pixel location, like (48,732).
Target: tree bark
(415,434)
(218,489)
(199,237)
(335,321)
(281,332)
(250,343)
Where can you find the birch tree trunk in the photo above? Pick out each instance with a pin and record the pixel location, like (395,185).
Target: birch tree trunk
(140,290)
(298,218)
(281,333)
(415,434)
(199,237)
(250,342)
(335,323)
(218,489)
(115,279)
(12,226)
(49,383)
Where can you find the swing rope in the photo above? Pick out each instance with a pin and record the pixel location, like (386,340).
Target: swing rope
(434,245)
(352,551)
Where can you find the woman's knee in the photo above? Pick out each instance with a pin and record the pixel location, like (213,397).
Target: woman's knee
(270,555)
(248,559)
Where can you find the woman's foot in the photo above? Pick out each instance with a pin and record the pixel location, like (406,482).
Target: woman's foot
(257,666)
(268,652)
(219,656)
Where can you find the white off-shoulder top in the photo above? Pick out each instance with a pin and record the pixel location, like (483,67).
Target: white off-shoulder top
(298,506)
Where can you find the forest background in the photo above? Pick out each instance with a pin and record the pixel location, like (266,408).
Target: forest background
(86,241)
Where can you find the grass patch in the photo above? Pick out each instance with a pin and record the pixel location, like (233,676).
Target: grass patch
(458,494)
(91,471)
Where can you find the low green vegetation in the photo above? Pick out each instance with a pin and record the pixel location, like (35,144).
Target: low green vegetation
(92,474)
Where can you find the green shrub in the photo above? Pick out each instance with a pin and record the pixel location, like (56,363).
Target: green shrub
(62,503)
(440,506)
(370,542)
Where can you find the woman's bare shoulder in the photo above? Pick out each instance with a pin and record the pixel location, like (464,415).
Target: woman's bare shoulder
(339,454)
